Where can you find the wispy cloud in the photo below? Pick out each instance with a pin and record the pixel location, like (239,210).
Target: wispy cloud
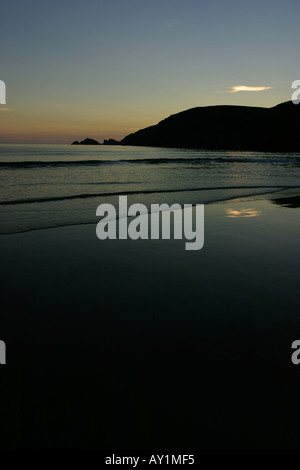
(5,109)
(172,23)
(237,88)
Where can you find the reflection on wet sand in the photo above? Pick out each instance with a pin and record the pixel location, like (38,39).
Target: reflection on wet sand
(231,213)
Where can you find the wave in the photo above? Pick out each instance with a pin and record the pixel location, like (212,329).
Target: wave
(145,161)
(85,183)
(127,193)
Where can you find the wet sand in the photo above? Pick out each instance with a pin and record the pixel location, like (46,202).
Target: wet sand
(143,345)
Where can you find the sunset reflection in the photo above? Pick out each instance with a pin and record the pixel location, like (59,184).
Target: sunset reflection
(242,213)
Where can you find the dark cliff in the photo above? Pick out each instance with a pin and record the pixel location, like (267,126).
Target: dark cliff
(226,128)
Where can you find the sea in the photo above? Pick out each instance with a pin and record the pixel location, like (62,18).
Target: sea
(44,186)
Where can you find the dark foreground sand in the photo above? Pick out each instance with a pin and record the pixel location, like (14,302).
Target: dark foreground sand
(143,345)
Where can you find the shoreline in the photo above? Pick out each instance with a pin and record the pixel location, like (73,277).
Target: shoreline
(258,196)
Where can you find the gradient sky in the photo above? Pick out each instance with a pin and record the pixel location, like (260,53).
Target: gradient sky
(105,68)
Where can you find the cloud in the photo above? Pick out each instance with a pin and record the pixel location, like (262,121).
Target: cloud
(237,88)
(172,23)
(6,109)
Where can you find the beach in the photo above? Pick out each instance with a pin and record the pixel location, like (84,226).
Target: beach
(149,228)
(119,344)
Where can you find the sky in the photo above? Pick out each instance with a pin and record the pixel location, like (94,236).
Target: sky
(105,68)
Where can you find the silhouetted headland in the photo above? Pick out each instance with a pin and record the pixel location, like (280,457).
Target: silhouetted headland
(111,142)
(221,128)
(273,129)
(86,142)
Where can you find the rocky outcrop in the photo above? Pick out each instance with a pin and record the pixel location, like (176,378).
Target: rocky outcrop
(111,142)
(86,142)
